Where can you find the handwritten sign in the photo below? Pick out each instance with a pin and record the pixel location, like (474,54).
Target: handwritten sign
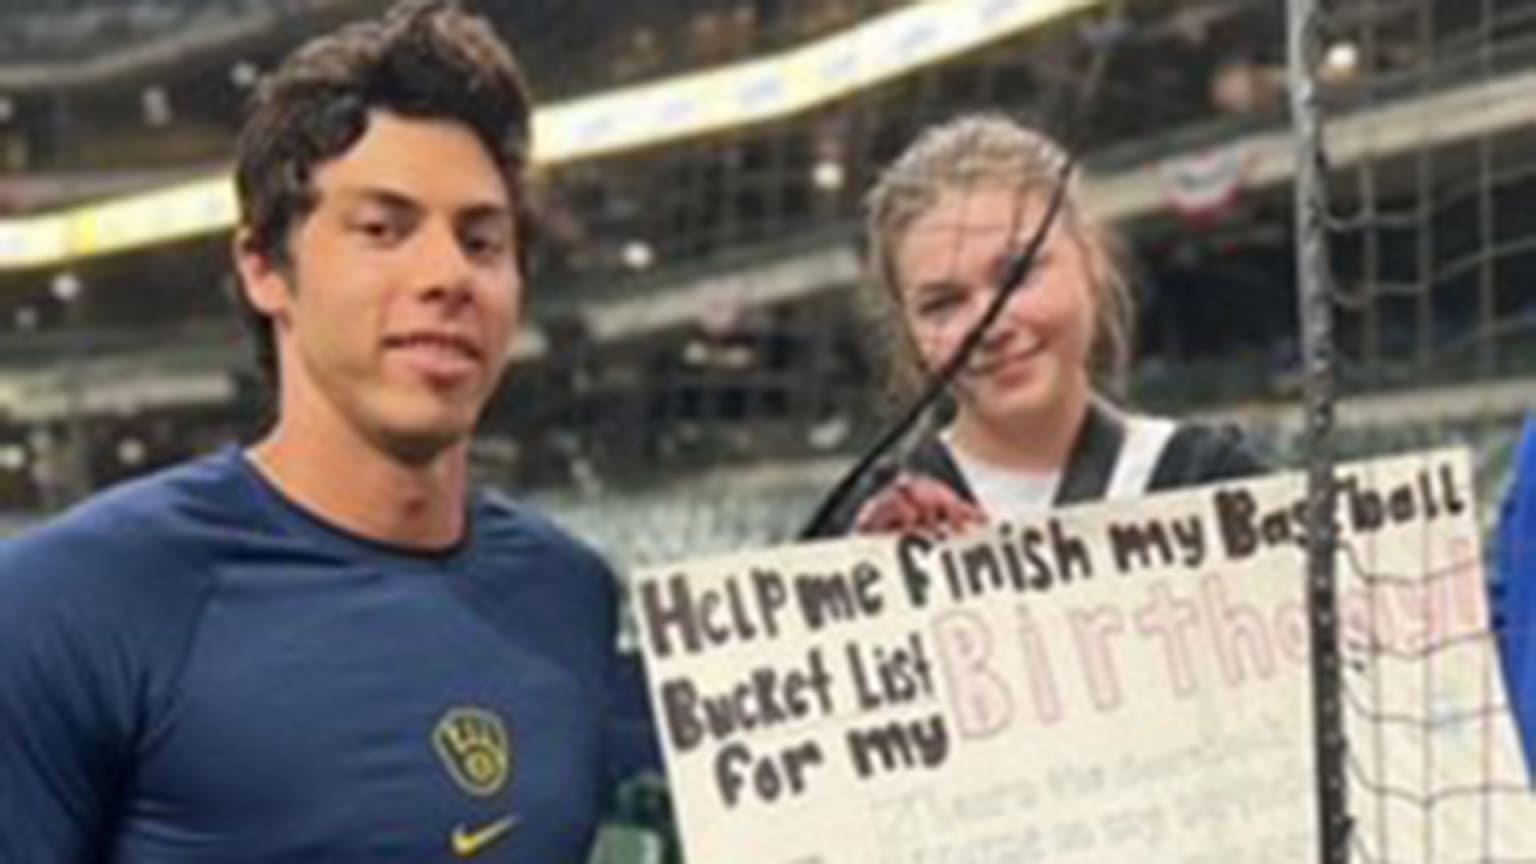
(1124,679)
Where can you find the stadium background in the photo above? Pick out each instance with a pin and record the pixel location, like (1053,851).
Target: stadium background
(691,377)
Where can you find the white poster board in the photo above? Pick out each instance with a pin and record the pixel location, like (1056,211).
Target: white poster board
(1100,684)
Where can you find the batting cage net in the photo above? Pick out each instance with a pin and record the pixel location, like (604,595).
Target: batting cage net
(1413,232)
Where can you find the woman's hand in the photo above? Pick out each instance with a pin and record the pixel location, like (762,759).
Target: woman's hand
(918,504)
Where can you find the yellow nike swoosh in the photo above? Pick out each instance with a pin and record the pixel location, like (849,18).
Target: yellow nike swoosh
(467,843)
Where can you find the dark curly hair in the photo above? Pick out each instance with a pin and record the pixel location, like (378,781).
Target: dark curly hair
(423,59)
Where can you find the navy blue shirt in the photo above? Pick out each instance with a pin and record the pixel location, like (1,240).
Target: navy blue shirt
(193,669)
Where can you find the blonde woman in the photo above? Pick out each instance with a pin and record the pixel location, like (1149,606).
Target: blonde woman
(1033,425)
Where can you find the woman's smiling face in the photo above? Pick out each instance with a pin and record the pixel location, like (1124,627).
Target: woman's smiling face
(1033,363)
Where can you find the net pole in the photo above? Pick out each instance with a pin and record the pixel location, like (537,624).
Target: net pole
(1315,308)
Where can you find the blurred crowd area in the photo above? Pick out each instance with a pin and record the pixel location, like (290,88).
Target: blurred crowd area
(692,375)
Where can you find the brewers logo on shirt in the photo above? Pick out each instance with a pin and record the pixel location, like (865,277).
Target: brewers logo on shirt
(473,746)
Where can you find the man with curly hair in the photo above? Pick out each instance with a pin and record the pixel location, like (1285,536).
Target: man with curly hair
(327,646)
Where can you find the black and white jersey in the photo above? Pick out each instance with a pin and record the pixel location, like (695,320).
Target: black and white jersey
(1117,455)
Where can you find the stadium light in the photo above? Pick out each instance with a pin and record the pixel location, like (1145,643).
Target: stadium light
(157,106)
(131,452)
(828,175)
(638,255)
(66,287)
(1342,60)
(829,433)
(13,457)
(244,74)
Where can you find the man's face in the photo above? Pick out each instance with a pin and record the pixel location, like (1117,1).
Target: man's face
(396,312)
